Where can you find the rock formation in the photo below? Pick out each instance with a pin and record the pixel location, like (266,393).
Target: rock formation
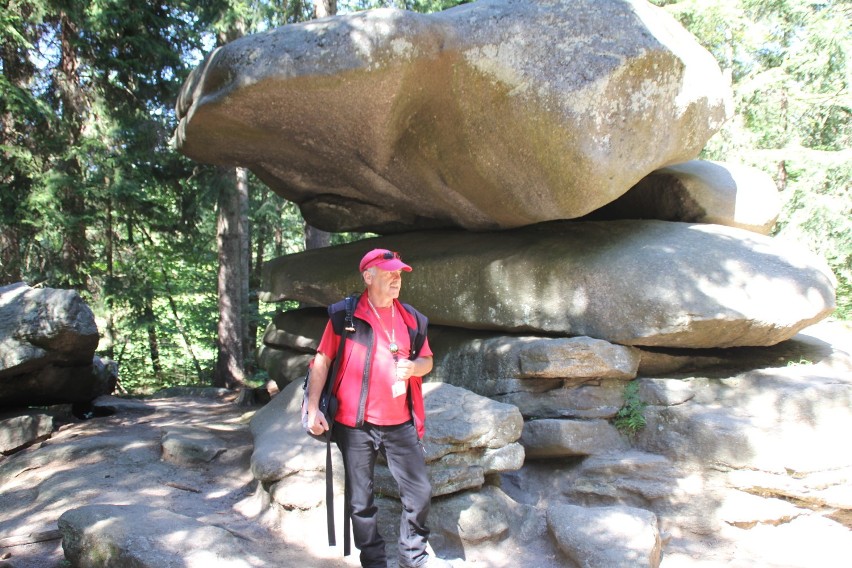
(649,283)
(535,162)
(701,191)
(108,535)
(47,356)
(460,452)
(494,115)
(127,492)
(42,327)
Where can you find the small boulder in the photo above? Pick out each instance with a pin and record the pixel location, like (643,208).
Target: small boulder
(458,420)
(188,446)
(58,384)
(136,536)
(20,430)
(606,537)
(589,400)
(549,438)
(44,326)
(48,339)
(472,517)
(632,477)
(702,191)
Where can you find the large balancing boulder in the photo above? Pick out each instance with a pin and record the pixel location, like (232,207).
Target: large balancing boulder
(491,115)
(653,283)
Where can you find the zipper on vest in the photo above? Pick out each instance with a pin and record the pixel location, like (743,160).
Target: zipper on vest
(365,380)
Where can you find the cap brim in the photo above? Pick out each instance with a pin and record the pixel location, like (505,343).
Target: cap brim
(393,264)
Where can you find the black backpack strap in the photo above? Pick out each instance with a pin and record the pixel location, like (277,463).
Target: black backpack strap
(342,326)
(350,302)
(329,494)
(329,474)
(341,314)
(418,335)
(347,516)
(418,338)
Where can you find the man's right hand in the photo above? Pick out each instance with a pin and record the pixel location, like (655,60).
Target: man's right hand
(316,422)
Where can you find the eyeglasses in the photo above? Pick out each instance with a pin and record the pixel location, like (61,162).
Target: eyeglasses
(386,256)
(380,257)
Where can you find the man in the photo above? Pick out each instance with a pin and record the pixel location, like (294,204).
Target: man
(379,389)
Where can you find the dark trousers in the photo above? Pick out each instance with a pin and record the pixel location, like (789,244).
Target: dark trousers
(407,463)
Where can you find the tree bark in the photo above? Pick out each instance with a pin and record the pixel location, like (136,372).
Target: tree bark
(245,256)
(781,175)
(74,245)
(277,232)
(323,8)
(110,335)
(260,234)
(315,238)
(153,343)
(232,238)
(229,371)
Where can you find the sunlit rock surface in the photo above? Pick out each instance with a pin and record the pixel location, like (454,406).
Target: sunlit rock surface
(491,115)
(651,283)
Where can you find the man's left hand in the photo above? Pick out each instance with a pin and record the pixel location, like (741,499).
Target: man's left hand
(404,369)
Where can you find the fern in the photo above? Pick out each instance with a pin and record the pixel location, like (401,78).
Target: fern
(630,418)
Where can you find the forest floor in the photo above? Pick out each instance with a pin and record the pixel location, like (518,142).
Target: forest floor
(118,459)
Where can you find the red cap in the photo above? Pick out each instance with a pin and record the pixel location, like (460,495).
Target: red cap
(384,259)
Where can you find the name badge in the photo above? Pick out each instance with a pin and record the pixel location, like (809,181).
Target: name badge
(398,388)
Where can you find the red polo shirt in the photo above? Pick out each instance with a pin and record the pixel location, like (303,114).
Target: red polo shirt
(382,409)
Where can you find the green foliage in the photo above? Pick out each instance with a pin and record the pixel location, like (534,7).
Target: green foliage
(790,69)
(818,212)
(139,204)
(422,6)
(788,61)
(630,418)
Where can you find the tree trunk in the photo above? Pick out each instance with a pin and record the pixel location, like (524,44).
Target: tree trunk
(153,343)
(323,8)
(781,176)
(229,371)
(245,255)
(74,245)
(232,241)
(10,252)
(315,238)
(277,232)
(109,334)
(260,234)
